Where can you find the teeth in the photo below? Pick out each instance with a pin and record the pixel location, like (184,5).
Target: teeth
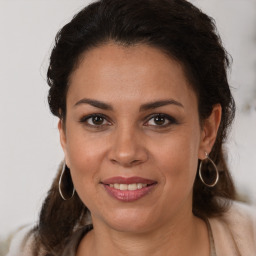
(133,186)
(140,185)
(123,186)
(117,186)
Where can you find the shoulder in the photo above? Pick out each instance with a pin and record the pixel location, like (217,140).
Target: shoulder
(241,215)
(236,229)
(22,242)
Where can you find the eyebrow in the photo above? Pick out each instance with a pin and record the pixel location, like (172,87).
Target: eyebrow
(144,107)
(94,103)
(160,103)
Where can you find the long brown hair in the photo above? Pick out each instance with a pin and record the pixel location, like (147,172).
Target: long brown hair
(175,27)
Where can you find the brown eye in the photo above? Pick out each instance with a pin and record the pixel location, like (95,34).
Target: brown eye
(97,120)
(159,120)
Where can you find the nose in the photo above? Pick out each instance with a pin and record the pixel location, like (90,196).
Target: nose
(128,148)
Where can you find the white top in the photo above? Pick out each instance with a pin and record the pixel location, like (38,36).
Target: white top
(234,234)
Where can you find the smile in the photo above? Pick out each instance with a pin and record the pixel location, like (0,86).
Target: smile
(133,186)
(128,189)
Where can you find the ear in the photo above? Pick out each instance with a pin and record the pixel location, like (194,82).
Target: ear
(209,131)
(63,139)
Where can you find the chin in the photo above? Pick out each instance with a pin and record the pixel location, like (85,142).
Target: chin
(129,220)
(131,226)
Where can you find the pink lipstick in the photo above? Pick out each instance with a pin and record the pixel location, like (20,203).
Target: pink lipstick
(128,189)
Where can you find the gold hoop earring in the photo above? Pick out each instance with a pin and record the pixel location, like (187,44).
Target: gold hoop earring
(68,183)
(215,168)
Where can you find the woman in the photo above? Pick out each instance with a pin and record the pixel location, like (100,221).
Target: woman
(141,92)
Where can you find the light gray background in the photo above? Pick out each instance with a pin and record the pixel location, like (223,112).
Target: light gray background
(29,142)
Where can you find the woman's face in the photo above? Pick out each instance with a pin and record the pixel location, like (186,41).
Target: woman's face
(132,119)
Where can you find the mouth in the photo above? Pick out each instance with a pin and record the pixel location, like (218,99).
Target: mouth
(128,189)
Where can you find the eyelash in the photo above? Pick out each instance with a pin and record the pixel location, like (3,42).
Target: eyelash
(171,120)
(85,119)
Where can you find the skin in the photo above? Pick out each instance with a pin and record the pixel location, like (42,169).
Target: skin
(130,142)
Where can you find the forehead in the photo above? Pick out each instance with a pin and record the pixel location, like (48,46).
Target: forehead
(128,74)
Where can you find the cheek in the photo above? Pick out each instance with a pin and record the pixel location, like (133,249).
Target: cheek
(86,159)
(85,155)
(177,160)
(81,147)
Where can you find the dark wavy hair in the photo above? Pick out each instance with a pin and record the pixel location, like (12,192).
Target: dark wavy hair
(178,29)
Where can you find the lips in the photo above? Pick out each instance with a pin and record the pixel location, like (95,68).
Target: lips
(130,180)
(128,189)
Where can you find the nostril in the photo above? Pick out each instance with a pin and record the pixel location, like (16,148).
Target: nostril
(126,163)
(113,161)
(127,153)
(135,161)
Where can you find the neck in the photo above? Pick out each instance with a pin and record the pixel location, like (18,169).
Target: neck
(187,236)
